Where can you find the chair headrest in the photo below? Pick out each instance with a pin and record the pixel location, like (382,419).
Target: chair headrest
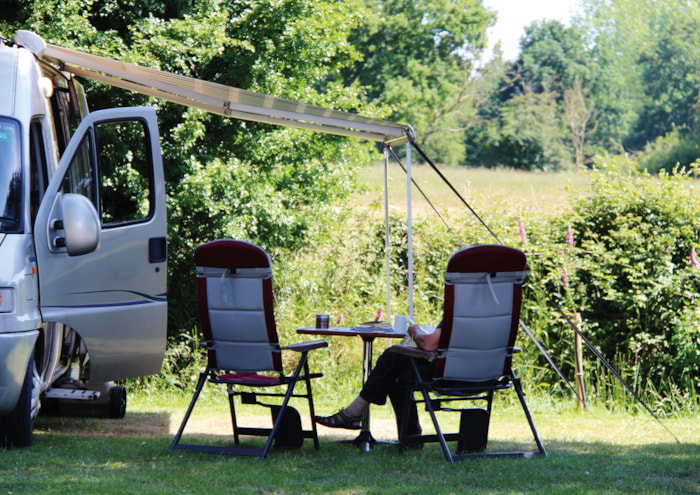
(231,254)
(490,258)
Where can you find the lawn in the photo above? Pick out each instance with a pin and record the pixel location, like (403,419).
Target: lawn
(594,451)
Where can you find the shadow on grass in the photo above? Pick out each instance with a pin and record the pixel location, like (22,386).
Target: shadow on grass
(134,425)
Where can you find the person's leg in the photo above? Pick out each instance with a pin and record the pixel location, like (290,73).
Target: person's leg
(402,402)
(390,369)
(357,407)
(380,383)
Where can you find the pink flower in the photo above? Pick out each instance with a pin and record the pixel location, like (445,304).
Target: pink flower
(569,236)
(523,234)
(380,313)
(693,258)
(565,277)
(341,317)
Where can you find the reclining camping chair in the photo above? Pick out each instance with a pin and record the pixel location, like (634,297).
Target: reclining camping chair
(234,284)
(483,286)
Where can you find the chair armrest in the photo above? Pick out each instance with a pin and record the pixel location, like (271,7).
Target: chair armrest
(412,351)
(306,346)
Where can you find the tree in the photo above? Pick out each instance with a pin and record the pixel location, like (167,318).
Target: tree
(671,76)
(553,57)
(525,121)
(527,135)
(624,35)
(420,59)
(577,114)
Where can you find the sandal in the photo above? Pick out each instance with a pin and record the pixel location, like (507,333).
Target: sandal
(340,420)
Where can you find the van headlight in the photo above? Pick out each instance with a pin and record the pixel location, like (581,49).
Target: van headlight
(7,299)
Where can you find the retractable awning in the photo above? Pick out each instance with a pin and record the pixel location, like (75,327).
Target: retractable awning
(216,98)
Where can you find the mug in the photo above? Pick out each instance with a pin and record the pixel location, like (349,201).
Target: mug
(322,321)
(401,323)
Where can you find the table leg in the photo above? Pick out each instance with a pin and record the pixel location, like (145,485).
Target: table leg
(365,440)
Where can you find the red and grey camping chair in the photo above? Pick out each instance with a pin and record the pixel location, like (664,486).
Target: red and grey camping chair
(234,285)
(483,294)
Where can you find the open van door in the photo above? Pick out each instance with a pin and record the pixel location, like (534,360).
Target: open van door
(100,237)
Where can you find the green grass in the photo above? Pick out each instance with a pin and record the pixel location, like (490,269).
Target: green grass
(591,452)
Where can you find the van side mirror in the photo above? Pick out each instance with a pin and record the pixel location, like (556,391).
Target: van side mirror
(81,225)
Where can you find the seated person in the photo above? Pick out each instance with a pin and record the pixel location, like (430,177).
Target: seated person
(389,378)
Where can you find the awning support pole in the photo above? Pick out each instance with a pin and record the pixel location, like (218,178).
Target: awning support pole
(387,233)
(409,200)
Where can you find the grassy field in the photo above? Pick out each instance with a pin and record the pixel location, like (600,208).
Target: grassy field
(544,193)
(591,452)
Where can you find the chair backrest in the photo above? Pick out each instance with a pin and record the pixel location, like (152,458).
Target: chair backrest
(483,294)
(234,285)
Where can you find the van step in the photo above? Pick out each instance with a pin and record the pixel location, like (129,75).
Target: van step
(67,393)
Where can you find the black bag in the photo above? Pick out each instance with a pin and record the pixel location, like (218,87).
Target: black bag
(289,434)
(473,431)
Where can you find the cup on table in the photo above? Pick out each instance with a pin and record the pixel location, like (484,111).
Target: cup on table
(401,323)
(322,320)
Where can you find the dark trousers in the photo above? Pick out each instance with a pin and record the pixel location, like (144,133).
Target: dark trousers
(391,377)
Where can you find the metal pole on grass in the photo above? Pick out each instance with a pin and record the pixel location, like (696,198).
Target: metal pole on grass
(409,202)
(387,233)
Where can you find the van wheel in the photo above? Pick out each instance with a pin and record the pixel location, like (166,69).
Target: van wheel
(117,402)
(16,429)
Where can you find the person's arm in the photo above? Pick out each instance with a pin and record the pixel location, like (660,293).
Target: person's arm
(427,342)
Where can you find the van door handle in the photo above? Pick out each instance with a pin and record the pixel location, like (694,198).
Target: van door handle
(157,249)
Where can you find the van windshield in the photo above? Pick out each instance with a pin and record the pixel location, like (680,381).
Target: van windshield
(10,177)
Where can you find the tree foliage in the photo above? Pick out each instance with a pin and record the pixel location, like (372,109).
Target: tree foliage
(421,60)
(671,76)
(526,120)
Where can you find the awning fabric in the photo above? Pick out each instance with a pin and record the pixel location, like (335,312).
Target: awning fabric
(226,100)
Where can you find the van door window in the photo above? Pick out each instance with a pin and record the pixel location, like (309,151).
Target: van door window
(10,177)
(37,167)
(79,178)
(126,183)
(122,191)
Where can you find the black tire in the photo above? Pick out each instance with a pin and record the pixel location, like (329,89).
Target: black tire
(117,402)
(16,429)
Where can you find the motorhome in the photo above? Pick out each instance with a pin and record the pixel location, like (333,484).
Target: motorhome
(82,245)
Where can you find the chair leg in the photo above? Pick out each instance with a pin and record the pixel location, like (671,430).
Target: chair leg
(285,402)
(526,410)
(436,424)
(200,384)
(310,399)
(431,411)
(232,408)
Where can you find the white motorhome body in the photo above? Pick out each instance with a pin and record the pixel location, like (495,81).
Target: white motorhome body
(82,261)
